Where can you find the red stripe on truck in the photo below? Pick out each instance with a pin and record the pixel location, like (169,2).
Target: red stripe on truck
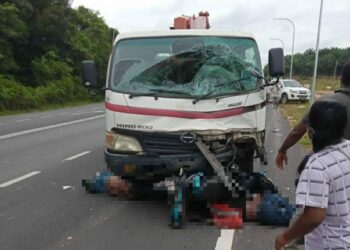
(174,113)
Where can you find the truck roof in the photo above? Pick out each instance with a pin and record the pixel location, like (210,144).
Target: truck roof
(184,32)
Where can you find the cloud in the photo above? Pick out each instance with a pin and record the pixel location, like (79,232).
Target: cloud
(255,17)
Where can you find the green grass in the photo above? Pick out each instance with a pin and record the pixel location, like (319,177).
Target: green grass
(323,83)
(47,107)
(294,112)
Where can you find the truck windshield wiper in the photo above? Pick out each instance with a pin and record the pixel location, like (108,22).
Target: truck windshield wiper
(142,94)
(238,81)
(170,91)
(157,91)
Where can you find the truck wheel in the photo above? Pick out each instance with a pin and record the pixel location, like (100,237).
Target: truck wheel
(284,98)
(245,158)
(246,165)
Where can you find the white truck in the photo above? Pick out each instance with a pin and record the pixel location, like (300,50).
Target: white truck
(167,89)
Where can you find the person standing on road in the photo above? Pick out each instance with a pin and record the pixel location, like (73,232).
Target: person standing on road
(323,188)
(276,95)
(342,96)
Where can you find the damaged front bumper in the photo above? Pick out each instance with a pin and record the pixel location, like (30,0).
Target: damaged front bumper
(165,154)
(148,166)
(153,166)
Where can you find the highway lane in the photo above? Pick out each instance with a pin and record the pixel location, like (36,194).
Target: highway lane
(21,122)
(50,210)
(39,150)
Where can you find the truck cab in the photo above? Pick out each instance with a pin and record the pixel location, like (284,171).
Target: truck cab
(166,89)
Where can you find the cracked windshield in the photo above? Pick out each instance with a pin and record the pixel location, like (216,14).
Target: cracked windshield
(186,67)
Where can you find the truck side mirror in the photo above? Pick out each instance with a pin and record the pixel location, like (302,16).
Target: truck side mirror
(89,74)
(276,62)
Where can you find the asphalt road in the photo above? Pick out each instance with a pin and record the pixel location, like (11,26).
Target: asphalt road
(43,158)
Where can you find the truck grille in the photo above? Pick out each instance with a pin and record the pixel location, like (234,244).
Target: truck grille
(160,143)
(303,92)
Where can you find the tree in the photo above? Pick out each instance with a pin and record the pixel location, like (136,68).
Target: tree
(89,38)
(49,67)
(12,29)
(303,63)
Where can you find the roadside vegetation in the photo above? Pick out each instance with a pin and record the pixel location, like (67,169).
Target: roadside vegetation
(323,83)
(294,112)
(330,63)
(42,44)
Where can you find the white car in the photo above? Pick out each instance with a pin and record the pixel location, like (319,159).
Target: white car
(291,90)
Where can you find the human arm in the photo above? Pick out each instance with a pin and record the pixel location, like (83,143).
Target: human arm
(312,193)
(311,218)
(293,137)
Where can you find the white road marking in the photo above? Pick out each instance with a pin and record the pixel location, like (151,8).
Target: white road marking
(225,240)
(77,156)
(18,179)
(22,120)
(79,113)
(87,112)
(45,116)
(3,137)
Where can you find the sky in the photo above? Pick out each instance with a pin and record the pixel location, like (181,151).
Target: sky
(255,16)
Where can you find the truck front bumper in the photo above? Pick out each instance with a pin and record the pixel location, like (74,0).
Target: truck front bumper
(153,166)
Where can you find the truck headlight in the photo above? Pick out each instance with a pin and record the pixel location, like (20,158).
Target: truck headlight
(117,142)
(294,91)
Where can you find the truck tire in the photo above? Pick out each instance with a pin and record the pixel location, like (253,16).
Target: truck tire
(245,157)
(284,98)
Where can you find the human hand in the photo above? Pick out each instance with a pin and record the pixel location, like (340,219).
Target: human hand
(280,242)
(280,158)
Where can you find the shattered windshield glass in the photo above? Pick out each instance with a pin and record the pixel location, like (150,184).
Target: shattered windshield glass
(185,66)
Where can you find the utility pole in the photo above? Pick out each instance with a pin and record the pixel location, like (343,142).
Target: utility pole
(335,69)
(316,56)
